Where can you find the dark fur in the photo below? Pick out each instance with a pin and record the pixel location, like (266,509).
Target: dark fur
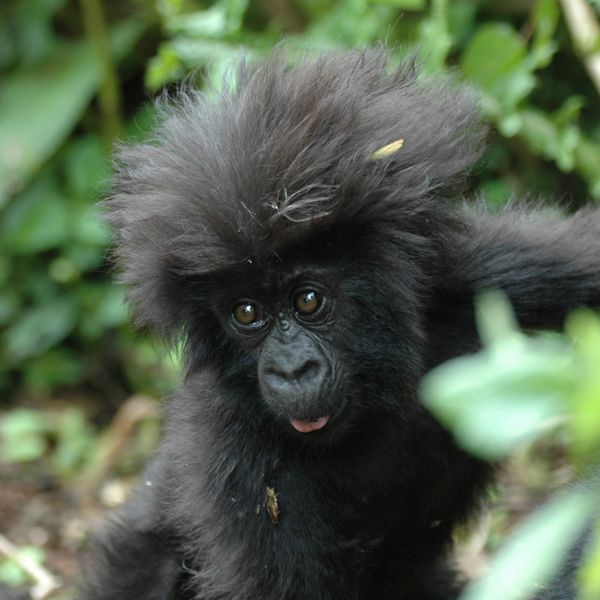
(233,195)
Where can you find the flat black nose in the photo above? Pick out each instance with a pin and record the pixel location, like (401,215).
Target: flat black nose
(296,371)
(293,381)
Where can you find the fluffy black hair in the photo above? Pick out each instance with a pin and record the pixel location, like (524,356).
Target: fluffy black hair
(282,155)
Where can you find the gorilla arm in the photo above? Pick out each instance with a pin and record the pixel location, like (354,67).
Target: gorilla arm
(547,266)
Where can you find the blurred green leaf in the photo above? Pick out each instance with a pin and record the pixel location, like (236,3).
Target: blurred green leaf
(22,436)
(11,572)
(434,36)
(164,68)
(496,60)
(461,20)
(534,554)
(555,137)
(88,227)
(87,165)
(349,23)
(587,155)
(88,257)
(75,441)
(511,392)
(63,270)
(404,4)
(546,16)
(37,220)
(40,328)
(494,402)
(589,573)
(9,305)
(53,369)
(223,18)
(103,307)
(40,106)
(28,35)
(496,321)
(584,329)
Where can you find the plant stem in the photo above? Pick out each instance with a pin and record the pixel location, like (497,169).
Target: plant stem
(585,31)
(109,96)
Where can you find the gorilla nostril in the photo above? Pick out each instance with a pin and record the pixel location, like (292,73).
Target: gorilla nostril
(305,371)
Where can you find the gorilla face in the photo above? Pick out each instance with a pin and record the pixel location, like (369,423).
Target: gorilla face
(299,371)
(316,346)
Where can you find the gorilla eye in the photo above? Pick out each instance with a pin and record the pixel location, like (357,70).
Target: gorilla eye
(246,313)
(307,302)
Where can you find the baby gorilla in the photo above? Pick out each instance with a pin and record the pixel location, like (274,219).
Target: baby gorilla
(300,232)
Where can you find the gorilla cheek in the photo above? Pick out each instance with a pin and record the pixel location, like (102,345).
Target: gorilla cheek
(296,379)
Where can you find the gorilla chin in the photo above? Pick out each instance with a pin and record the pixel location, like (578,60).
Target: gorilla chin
(317,411)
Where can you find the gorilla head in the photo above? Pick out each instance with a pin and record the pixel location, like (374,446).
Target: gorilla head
(290,229)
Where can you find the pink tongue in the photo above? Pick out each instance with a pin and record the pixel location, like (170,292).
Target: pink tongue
(309,426)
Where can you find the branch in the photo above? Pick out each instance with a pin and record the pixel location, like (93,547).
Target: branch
(585,32)
(114,440)
(45,582)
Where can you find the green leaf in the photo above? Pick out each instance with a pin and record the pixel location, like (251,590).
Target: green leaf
(546,16)
(87,257)
(496,60)
(57,367)
(496,401)
(461,20)
(587,156)
(40,328)
(87,226)
(23,436)
(63,270)
(9,305)
(206,23)
(36,220)
(416,5)
(87,167)
(40,106)
(584,328)
(220,20)
(75,438)
(535,553)
(510,393)
(589,573)
(11,572)
(166,66)
(434,35)
(554,137)
(496,321)
(103,307)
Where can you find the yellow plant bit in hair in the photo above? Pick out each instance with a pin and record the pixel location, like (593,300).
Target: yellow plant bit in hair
(387,150)
(272,505)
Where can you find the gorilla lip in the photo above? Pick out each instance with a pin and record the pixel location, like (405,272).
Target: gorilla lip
(310,426)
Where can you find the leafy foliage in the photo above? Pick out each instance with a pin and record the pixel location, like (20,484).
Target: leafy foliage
(516,390)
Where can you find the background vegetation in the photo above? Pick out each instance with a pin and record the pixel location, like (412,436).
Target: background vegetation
(77,387)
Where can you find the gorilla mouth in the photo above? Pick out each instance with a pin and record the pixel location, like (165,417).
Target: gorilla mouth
(310,426)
